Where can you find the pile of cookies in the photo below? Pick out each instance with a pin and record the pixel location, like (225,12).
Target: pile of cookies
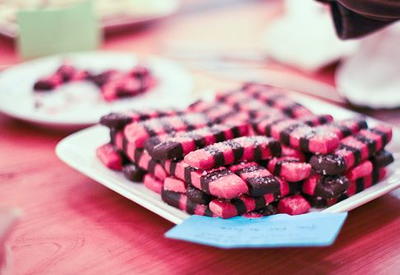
(252,151)
(113,84)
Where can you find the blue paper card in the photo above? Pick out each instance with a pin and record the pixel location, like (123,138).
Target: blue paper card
(313,229)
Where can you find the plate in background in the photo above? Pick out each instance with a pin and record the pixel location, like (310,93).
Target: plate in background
(80,104)
(78,151)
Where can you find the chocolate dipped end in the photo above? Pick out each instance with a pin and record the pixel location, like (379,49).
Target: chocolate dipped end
(316,202)
(329,187)
(275,148)
(163,150)
(328,164)
(268,210)
(259,186)
(115,120)
(133,172)
(382,159)
(171,198)
(43,86)
(197,195)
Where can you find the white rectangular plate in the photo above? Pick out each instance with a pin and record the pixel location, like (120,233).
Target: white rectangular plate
(78,151)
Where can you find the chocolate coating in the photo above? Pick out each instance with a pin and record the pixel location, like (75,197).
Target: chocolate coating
(239,205)
(268,210)
(115,120)
(330,187)
(328,164)
(164,150)
(43,86)
(276,148)
(294,187)
(259,186)
(197,195)
(382,158)
(133,172)
(171,198)
(316,202)
(101,78)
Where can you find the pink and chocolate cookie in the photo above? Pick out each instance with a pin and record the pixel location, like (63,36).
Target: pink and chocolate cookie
(322,139)
(139,157)
(69,73)
(47,83)
(110,157)
(175,185)
(276,98)
(240,101)
(252,148)
(362,183)
(352,151)
(259,180)
(64,74)
(239,206)
(363,169)
(316,120)
(116,84)
(345,127)
(354,187)
(290,169)
(327,187)
(292,153)
(153,183)
(181,201)
(177,145)
(118,120)
(216,111)
(298,135)
(293,205)
(219,182)
(138,132)
(144,161)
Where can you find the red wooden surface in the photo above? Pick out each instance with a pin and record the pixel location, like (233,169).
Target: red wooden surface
(72,225)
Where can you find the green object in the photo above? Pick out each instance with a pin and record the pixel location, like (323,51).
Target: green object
(52,31)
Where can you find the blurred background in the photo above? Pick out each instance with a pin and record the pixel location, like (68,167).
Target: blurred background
(287,43)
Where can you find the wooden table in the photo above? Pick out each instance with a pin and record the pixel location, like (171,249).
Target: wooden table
(73,225)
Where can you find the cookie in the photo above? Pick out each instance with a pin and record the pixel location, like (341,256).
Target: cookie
(239,206)
(138,133)
(177,145)
(259,180)
(327,187)
(352,150)
(182,202)
(219,182)
(153,183)
(289,168)
(109,156)
(239,149)
(293,205)
(118,120)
